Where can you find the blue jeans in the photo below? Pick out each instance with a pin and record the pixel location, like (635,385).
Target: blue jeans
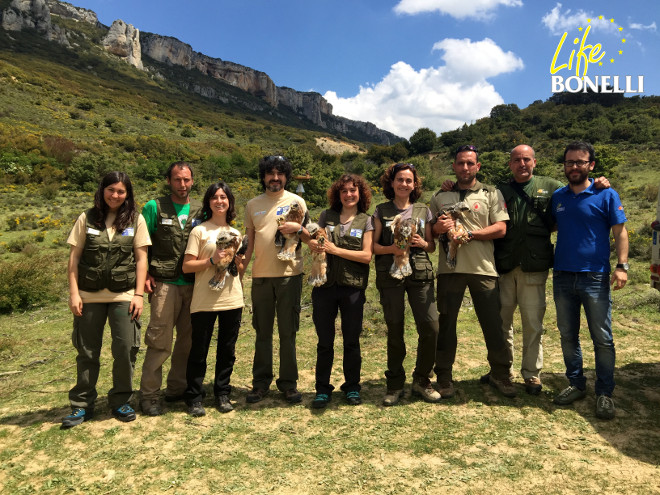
(591,290)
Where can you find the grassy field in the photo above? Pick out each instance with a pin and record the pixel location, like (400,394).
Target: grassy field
(476,442)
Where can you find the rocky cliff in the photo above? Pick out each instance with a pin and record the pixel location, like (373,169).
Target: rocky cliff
(126,42)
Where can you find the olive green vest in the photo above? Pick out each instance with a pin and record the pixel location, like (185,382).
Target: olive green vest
(169,241)
(527,240)
(419,259)
(107,264)
(340,270)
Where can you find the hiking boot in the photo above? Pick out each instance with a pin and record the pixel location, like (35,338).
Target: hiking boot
(151,407)
(426,392)
(196,409)
(77,416)
(446,389)
(353,398)
(605,407)
(504,385)
(124,413)
(321,401)
(292,396)
(569,395)
(223,404)
(533,386)
(392,397)
(256,395)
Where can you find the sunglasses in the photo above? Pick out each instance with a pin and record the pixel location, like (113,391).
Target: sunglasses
(274,158)
(402,166)
(467,147)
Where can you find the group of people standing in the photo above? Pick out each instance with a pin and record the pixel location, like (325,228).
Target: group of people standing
(170,252)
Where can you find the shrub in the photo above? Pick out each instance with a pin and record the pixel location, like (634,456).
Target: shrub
(188,132)
(25,284)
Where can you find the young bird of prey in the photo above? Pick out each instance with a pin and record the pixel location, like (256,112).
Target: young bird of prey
(403,231)
(456,236)
(290,242)
(229,242)
(317,275)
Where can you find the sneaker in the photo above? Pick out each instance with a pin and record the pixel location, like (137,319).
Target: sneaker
(353,398)
(124,413)
(151,407)
(604,407)
(504,385)
(292,396)
(569,395)
(222,404)
(196,409)
(256,395)
(426,392)
(392,397)
(77,416)
(533,386)
(321,401)
(446,389)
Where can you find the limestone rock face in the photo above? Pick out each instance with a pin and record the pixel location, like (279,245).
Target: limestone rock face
(123,40)
(30,14)
(69,11)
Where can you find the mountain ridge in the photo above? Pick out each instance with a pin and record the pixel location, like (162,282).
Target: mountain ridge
(139,49)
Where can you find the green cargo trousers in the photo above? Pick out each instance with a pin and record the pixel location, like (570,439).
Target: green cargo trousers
(87,338)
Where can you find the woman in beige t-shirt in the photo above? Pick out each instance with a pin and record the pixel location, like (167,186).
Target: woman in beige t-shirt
(222,301)
(107,270)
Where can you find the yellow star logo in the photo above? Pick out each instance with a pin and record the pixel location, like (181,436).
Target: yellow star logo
(600,17)
(588,20)
(620,52)
(579,29)
(611,20)
(611,60)
(623,40)
(620,29)
(600,63)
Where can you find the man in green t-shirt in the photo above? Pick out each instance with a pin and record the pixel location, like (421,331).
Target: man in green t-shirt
(169,221)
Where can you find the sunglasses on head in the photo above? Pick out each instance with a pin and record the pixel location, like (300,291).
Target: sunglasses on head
(467,147)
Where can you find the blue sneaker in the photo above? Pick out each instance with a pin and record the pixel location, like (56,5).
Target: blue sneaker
(353,398)
(77,416)
(321,401)
(124,413)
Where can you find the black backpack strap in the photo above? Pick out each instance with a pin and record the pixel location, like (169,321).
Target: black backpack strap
(521,192)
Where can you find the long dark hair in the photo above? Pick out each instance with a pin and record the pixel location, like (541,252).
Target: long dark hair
(334,197)
(127,211)
(210,192)
(388,178)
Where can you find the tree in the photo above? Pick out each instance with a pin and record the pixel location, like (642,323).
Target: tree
(422,141)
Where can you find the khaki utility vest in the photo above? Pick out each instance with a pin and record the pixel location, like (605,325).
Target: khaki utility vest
(107,264)
(169,241)
(340,270)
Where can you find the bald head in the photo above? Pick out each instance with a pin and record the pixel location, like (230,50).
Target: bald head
(522,163)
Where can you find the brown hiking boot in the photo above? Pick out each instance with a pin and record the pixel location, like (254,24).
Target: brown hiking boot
(446,389)
(504,385)
(533,385)
(425,391)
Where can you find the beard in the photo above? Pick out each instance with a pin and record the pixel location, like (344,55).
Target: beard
(274,186)
(577,176)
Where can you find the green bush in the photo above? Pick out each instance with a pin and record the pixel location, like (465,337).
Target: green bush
(25,283)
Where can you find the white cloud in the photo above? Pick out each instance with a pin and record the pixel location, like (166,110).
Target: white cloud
(559,22)
(459,9)
(441,98)
(649,27)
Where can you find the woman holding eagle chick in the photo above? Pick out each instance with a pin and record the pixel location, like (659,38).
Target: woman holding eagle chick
(344,234)
(402,241)
(213,255)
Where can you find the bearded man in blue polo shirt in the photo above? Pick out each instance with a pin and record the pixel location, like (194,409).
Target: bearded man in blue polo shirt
(584,216)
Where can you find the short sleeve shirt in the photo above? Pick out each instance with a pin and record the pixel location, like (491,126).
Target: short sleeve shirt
(77,238)
(486,208)
(261,215)
(201,244)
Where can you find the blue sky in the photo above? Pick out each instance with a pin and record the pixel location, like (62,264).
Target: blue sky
(406,64)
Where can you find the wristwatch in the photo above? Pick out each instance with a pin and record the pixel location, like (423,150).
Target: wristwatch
(624,266)
(300,230)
